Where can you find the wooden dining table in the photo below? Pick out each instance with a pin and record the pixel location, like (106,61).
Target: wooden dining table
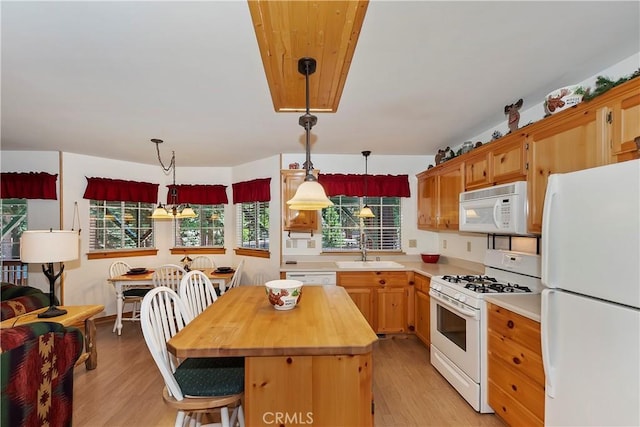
(130,281)
(309,365)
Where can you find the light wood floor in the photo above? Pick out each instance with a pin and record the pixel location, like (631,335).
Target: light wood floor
(126,387)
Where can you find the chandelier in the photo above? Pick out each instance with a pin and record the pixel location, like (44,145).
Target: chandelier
(310,195)
(172,209)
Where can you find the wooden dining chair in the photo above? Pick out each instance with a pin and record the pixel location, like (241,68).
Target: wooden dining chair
(197,291)
(235,279)
(194,386)
(132,296)
(168,275)
(202,261)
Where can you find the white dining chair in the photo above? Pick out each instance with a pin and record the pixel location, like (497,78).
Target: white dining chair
(194,386)
(197,291)
(168,275)
(202,261)
(132,296)
(235,279)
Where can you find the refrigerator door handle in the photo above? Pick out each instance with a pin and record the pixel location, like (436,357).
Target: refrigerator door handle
(545,331)
(552,191)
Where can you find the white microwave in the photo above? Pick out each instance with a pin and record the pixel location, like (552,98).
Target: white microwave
(501,209)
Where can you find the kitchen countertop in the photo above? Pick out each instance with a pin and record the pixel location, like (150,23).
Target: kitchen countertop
(437,269)
(527,305)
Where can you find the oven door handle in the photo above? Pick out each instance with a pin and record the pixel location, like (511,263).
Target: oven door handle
(471,314)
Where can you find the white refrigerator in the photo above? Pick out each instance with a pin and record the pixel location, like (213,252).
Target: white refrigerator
(591,301)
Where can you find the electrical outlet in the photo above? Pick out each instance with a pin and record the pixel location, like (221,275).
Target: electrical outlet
(468,246)
(289,244)
(413,243)
(311,244)
(444,244)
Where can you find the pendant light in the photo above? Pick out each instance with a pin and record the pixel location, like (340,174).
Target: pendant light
(366,211)
(172,209)
(310,195)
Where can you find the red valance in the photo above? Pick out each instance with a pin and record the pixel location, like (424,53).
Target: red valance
(28,185)
(199,194)
(119,190)
(257,190)
(377,185)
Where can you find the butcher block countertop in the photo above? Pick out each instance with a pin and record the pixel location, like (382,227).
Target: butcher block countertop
(527,305)
(243,323)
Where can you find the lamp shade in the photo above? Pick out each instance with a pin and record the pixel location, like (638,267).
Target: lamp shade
(310,196)
(366,212)
(44,246)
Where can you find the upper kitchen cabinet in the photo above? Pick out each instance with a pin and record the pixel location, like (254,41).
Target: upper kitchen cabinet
(294,220)
(622,123)
(591,134)
(567,144)
(427,201)
(496,163)
(439,191)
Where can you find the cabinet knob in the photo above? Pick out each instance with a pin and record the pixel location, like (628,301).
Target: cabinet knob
(514,387)
(510,324)
(382,282)
(517,361)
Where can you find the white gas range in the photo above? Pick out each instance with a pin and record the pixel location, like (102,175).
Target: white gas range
(458,319)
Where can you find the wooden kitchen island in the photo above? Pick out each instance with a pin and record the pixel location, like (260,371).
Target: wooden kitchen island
(308,366)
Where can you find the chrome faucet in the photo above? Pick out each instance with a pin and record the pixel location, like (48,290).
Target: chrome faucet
(363,246)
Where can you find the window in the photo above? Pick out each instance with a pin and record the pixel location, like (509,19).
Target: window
(207,229)
(341,225)
(254,220)
(120,225)
(14,222)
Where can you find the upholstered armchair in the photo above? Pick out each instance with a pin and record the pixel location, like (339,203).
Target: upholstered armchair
(36,378)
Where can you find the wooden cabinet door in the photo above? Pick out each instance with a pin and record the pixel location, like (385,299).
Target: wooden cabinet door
(422,317)
(363,297)
(476,171)
(392,309)
(508,160)
(427,202)
(450,186)
(623,118)
(294,219)
(568,146)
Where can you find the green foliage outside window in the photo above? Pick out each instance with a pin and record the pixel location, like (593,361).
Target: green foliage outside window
(14,222)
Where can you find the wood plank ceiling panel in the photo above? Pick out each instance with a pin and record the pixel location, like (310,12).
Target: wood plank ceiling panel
(289,30)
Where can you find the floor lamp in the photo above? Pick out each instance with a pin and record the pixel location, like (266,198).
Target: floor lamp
(47,247)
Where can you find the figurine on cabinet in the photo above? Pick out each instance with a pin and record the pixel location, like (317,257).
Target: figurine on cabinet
(512,111)
(440,156)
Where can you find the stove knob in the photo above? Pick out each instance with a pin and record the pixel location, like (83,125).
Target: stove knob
(457,296)
(438,288)
(462,298)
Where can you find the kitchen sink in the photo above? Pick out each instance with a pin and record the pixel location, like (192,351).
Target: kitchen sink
(368,264)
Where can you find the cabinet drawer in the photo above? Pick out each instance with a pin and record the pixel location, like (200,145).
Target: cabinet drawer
(515,327)
(520,358)
(519,387)
(509,409)
(373,278)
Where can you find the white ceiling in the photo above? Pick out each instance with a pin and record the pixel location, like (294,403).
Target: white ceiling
(103,78)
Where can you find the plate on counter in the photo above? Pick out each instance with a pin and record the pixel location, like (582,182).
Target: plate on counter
(135,271)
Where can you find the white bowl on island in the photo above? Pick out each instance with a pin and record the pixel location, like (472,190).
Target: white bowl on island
(283,294)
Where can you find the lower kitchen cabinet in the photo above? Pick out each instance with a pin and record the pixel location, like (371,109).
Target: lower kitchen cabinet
(516,375)
(422,308)
(381,296)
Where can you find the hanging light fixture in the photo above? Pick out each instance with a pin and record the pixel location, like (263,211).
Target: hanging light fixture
(173,209)
(366,211)
(310,195)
